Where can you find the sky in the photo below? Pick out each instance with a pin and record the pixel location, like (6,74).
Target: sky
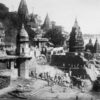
(64,12)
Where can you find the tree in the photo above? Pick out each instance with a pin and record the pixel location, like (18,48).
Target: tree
(3,10)
(55,36)
(13,16)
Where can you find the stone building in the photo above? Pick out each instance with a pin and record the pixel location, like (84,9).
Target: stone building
(76,42)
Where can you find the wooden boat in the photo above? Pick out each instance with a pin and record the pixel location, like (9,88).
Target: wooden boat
(17,94)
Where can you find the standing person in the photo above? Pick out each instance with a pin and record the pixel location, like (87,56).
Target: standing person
(44,51)
(35,51)
(70,73)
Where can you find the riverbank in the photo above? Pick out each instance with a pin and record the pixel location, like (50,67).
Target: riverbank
(40,90)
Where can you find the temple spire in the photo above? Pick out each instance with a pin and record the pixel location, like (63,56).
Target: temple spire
(47,24)
(96,46)
(75,23)
(23,10)
(89,46)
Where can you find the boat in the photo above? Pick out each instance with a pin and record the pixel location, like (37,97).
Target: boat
(17,94)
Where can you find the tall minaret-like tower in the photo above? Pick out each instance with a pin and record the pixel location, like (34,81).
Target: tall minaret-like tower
(22,43)
(22,51)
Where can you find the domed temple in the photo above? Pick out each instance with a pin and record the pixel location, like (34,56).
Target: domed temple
(89,47)
(76,42)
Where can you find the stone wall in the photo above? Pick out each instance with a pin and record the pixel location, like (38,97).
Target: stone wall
(68,63)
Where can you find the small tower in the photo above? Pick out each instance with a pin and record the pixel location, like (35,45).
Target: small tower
(89,46)
(96,47)
(22,52)
(22,43)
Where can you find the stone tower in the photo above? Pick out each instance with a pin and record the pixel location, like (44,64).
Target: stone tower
(76,43)
(22,52)
(22,42)
(96,47)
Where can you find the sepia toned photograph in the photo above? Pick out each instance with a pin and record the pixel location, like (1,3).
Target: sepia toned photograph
(49,49)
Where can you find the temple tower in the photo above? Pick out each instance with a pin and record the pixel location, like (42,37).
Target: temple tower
(96,47)
(22,52)
(76,43)
(22,12)
(47,24)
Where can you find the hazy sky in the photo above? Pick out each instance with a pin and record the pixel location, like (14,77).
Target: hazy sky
(64,12)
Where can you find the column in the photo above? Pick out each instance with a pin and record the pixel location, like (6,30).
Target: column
(24,69)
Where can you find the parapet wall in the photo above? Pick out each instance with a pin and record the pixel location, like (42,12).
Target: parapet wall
(70,60)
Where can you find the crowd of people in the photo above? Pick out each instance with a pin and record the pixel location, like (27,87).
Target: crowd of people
(56,79)
(62,80)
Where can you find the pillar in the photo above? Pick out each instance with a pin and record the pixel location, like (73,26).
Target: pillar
(23,69)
